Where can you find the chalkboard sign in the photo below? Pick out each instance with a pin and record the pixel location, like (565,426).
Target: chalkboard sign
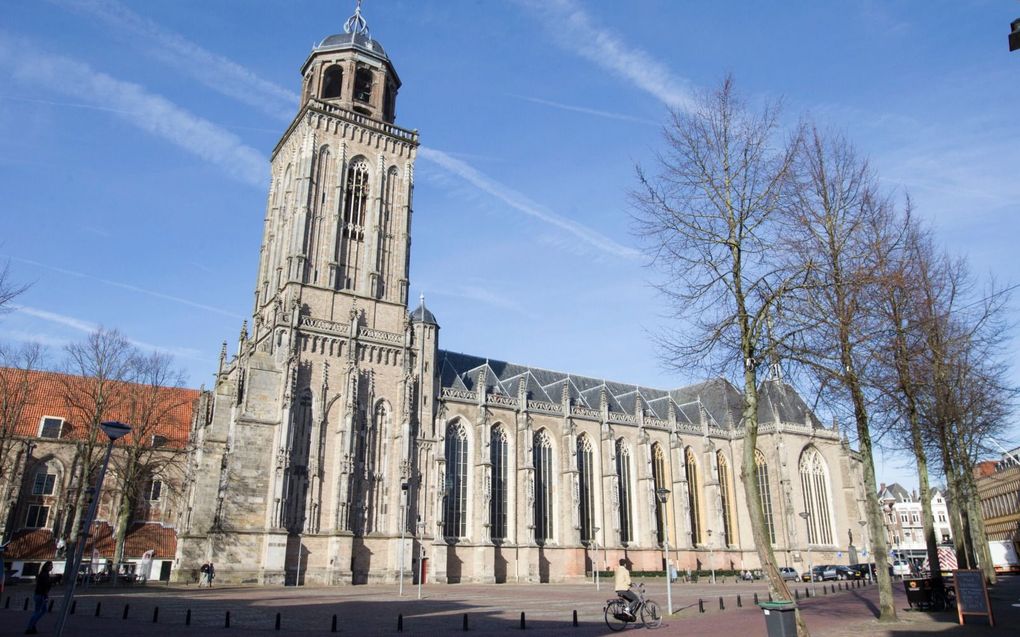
(972,594)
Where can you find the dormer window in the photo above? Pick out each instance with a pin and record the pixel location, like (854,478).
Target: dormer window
(332,82)
(363,85)
(51,427)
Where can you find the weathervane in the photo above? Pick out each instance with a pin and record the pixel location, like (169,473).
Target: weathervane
(356,24)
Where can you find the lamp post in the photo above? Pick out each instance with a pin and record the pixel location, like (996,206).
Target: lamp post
(663,494)
(403,527)
(113,431)
(595,554)
(811,575)
(711,554)
(421,553)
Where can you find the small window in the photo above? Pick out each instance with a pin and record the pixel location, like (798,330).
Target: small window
(44,483)
(158,440)
(51,427)
(37,516)
(153,490)
(332,82)
(363,85)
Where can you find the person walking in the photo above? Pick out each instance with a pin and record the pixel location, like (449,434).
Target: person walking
(212,574)
(621,584)
(203,578)
(43,582)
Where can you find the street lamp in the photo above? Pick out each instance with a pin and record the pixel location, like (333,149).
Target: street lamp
(403,527)
(595,554)
(113,431)
(711,554)
(811,575)
(663,494)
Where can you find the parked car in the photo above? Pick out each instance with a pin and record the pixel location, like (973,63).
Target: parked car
(849,572)
(857,571)
(789,573)
(901,568)
(823,572)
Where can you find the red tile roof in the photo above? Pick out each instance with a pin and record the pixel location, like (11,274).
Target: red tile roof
(56,394)
(39,544)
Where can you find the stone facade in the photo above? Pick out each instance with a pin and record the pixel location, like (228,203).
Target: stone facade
(341,444)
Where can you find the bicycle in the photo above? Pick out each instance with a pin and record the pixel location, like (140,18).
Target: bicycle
(617,617)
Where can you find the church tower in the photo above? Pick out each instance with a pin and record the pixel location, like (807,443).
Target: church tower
(312,427)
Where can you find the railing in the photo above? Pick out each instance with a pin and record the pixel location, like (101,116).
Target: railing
(459,394)
(585,412)
(541,405)
(501,399)
(615,416)
(324,325)
(380,335)
(361,120)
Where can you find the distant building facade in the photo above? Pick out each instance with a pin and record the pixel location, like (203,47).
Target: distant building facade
(44,443)
(904,520)
(998,485)
(340,443)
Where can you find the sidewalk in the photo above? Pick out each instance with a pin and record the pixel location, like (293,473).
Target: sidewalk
(490,609)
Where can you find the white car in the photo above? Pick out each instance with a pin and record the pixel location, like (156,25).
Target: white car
(901,568)
(789,573)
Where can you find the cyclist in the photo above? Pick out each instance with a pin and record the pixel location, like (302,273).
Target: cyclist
(621,584)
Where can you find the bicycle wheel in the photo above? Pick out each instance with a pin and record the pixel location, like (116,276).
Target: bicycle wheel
(650,614)
(614,616)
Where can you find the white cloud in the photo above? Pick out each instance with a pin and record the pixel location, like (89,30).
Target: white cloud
(576,31)
(522,203)
(152,113)
(212,70)
(586,111)
(60,319)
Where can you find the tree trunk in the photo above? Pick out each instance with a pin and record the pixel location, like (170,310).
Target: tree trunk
(979,538)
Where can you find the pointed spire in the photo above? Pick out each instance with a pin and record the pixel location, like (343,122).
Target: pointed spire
(223,356)
(357,24)
(242,337)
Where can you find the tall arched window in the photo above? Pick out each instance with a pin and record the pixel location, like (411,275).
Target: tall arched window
(726,497)
(693,495)
(332,82)
(659,480)
(386,233)
(498,454)
(766,492)
(455,488)
(814,480)
(623,480)
(542,456)
(318,207)
(296,476)
(586,482)
(375,465)
(363,85)
(352,230)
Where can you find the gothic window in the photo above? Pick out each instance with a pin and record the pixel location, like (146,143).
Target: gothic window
(386,234)
(455,488)
(586,478)
(363,85)
(693,495)
(44,483)
(623,480)
(332,82)
(765,487)
(726,498)
(318,208)
(153,490)
(659,480)
(375,441)
(352,230)
(542,456)
(814,480)
(498,454)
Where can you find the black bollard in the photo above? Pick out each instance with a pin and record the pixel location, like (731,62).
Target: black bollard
(807,592)
(278,621)
(155,615)
(756,599)
(226,622)
(523,625)
(575,619)
(49,609)
(824,591)
(74,605)
(701,605)
(722,606)
(26,604)
(99,607)
(833,586)
(400,623)
(7,603)
(739,603)
(127,608)
(187,618)
(465,621)
(796,594)
(332,627)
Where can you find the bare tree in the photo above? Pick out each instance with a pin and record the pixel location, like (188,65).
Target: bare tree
(8,288)
(709,216)
(18,389)
(93,389)
(155,449)
(839,228)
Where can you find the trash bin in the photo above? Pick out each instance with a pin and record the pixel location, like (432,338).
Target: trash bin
(780,619)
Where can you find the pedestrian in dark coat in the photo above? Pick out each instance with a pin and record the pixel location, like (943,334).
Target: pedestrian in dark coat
(43,582)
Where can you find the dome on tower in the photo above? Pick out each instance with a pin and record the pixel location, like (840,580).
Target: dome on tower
(421,314)
(355,36)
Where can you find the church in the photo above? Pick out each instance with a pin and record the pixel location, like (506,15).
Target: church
(342,445)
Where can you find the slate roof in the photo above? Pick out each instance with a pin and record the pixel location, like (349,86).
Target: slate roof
(719,400)
(54,394)
(895,491)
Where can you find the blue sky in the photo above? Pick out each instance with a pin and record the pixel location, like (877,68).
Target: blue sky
(134,139)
